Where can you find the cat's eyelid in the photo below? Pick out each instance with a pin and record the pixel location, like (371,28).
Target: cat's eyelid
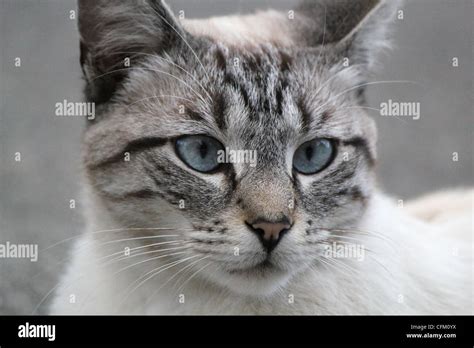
(314,136)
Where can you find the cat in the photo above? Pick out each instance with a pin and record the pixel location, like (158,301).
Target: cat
(305,230)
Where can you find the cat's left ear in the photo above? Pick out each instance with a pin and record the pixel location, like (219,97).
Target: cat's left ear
(355,30)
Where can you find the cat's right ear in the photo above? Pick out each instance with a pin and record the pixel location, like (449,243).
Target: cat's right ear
(356,29)
(115,34)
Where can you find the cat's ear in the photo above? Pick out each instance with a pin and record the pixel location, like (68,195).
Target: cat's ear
(114,34)
(353,29)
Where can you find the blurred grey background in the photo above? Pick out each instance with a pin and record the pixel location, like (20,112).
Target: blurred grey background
(415,156)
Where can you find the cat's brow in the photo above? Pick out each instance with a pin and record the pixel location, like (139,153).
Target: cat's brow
(132,147)
(363,145)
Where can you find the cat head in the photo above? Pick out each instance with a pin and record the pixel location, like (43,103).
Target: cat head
(251,143)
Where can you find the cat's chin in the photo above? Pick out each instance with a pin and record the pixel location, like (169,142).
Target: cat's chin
(262,280)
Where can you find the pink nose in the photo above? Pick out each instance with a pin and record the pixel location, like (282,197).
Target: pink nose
(269,233)
(271,230)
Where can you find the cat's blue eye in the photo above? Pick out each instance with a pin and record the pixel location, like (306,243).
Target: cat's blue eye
(199,152)
(313,156)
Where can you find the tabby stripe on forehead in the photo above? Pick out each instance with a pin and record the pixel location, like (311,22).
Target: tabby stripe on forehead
(285,62)
(230,80)
(305,115)
(219,105)
(134,146)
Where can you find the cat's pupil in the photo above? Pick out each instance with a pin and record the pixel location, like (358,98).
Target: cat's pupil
(203,149)
(309,153)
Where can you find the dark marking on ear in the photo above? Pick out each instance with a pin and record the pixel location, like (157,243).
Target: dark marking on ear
(83,52)
(103,87)
(285,62)
(220,59)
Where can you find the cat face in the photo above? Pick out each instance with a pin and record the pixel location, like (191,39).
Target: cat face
(159,153)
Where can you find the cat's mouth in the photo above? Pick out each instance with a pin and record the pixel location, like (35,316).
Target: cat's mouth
(262,268)
(259,276)
(260,279)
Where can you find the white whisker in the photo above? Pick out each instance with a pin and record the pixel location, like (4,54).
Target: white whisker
(140,254)
(193,275)
(106,231)
(374,109)
(172,277)
(156,272)
(362,85)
